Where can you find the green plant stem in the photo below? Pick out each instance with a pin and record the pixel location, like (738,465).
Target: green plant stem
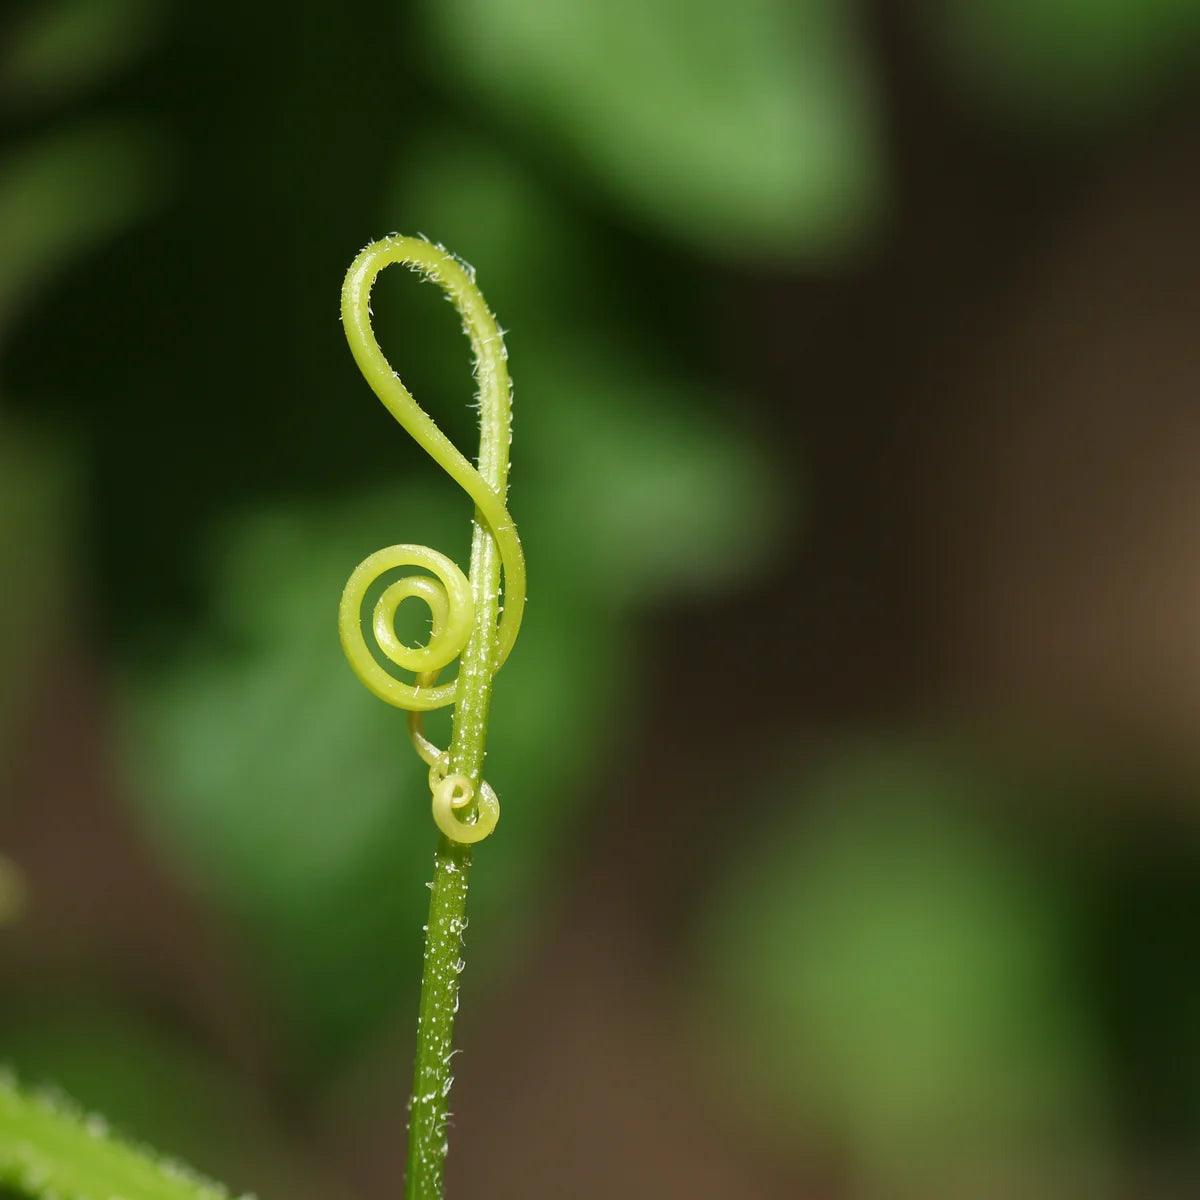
(445,932)
(427,1144)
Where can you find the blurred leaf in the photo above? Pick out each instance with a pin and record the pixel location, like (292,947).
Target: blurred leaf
(895,969)
(66,192)
(1062,61)
(111,1061)
(664,496)
(63,47)
(465,192)
(747,129)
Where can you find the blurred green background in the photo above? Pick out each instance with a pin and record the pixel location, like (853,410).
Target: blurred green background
(849,754)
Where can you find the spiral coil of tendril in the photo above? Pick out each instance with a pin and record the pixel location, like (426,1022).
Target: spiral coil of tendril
(461,609)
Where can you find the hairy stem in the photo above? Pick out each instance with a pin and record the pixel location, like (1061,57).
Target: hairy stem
(445,932)
(427,1144)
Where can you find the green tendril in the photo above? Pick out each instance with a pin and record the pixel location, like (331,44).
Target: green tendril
(467,623)
(464,807)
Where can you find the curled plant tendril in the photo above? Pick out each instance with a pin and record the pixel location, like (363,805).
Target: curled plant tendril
(463,810)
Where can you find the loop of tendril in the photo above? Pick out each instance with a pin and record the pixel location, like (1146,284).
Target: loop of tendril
(452,796)
(462,810)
